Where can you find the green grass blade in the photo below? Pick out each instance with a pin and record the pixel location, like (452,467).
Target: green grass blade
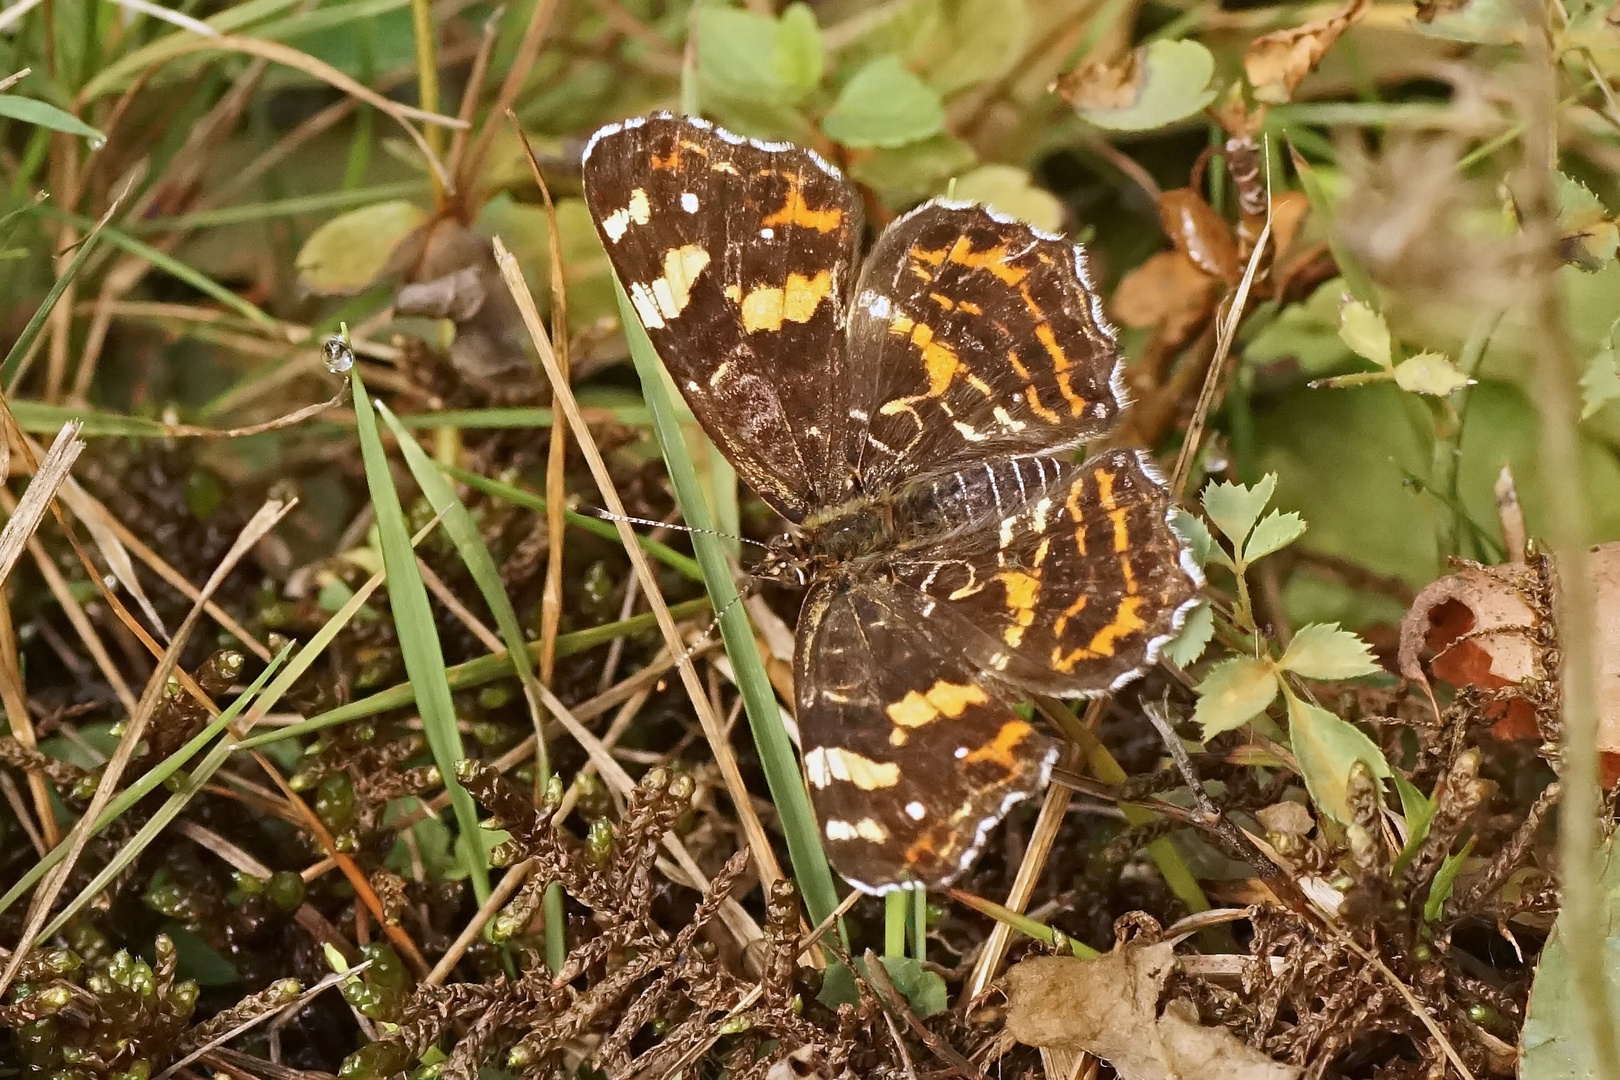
(324,202)
(665,554)
(463,533)
(776,755)
(148,783)
(169,265)
(36,323)
(418,636)
(472,673)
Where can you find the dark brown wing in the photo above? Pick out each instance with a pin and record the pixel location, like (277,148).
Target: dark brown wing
(739,257)
(1058,578)
(978,337)
(911,758)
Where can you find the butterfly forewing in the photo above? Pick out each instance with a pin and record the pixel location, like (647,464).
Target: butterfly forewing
(979,339)
(910,755)
(739,258)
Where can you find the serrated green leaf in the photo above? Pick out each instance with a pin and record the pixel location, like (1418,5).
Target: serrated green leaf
(30,111)
(1235,507)
(1173,83)
(1323,651)
(799,55)
(1554,1044)
(1444,879)
(1233,692)
(1365,331)
(351,251)
(1591,248)
(1194,637)
(1195,534)
(884,105)
(1326,748)
(1600,382)
(1009,189)
(1429,373)
(1578,208)
(1276,531)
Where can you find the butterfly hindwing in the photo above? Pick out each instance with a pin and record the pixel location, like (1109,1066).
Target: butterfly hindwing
(980,338)
(911,757)
(1065,579)
(739,256)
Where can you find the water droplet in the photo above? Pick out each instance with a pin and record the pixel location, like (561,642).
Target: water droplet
(339,357)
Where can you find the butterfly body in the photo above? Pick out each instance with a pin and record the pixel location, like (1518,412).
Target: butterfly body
(915,421)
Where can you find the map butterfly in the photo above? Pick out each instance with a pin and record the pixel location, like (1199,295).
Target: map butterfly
(914,419)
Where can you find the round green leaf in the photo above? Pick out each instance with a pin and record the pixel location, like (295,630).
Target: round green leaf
(962,42)
(907,173)
(799,57)
(1172,83)
(1008,189)
(352,250)
(884,105)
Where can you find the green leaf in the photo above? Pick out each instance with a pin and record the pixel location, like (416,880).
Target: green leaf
(1234,507)
(799,56)
(1326,747)
(962,42)
(1190,643)
(29,111)
(737,54)
(884,105)
(1600,382)
(1419,810)
(1323,651)
(1233,692)
(1009,189)
(922,988)
(1444,879)
(1276,531)
(353,250)
(1578,208)
(1429,373)
(1553,1043)
(1195,534)
(1365,331)
(904,174)
(418,633)
(1172,83)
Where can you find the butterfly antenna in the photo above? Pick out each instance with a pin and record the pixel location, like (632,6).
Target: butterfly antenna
(708,631)
(608,515)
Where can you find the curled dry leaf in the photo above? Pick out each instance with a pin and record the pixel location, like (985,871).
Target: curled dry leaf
(1278,62)
(1106,84)
(1167,288)
(1482,627)
(1109,1007)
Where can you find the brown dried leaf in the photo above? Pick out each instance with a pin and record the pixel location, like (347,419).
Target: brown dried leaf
(1106,84)
(1278,62)
(1167,288)
(1109,1007)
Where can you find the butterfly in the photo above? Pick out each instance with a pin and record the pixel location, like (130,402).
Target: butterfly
(914,418)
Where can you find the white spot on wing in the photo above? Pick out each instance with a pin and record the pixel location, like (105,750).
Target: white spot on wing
(916,811)
(767,233)
(689,202)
